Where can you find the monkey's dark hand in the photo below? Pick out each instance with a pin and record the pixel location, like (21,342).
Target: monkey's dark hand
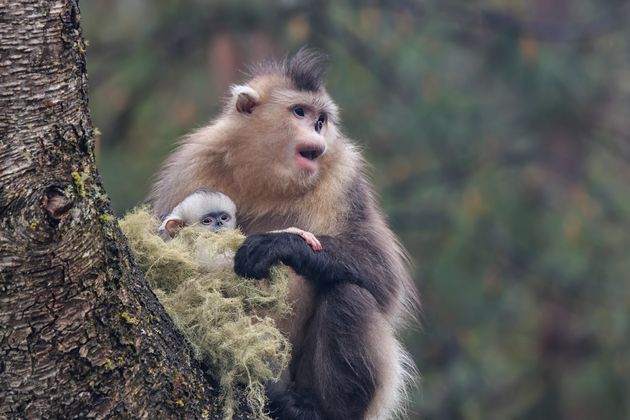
(260,252)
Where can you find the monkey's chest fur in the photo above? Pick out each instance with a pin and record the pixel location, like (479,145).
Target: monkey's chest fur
(252,225)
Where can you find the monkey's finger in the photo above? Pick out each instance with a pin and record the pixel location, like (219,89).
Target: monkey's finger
(318,245)
(311,240)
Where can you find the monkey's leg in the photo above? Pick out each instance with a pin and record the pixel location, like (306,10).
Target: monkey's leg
(336,373)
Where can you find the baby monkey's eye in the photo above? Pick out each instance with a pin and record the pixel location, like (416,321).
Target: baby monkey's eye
(225,217)
(299,111)
(206,221)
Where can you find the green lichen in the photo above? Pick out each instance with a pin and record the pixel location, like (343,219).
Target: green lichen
(129,319)
(180,403)
(105,218)
(79,182)
(34,225)
(225,317)
(109,365)
(80,46)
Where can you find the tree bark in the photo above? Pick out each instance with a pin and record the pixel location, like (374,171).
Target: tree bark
(81,334)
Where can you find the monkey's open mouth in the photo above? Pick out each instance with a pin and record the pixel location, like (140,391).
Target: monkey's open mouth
(311,152)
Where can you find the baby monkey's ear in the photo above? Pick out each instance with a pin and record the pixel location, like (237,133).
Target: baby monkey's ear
(170,227)
(246,98)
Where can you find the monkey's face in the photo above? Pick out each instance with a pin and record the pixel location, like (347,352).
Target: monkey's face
(218,220)
(301,140)
(211,209)
(290,132)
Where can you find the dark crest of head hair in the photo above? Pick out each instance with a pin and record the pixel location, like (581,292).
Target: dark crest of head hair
(305,69)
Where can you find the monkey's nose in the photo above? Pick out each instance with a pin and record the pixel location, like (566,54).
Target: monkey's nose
(311,152)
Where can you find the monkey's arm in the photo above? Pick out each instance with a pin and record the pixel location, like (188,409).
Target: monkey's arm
(351,257)
(259,252)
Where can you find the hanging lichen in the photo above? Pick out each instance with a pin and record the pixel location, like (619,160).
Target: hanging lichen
(224,316)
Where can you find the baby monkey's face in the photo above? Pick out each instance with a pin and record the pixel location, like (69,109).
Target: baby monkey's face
(211,210)
(218,220)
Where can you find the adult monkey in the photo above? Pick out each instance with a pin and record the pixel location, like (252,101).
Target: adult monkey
(277,151)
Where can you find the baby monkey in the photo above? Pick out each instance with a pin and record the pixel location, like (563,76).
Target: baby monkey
(214,211)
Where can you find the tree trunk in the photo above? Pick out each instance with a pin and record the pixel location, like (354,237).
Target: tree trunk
(81,334)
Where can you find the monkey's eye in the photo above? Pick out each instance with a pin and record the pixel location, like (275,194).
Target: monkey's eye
(206,221)
(299,111)
(225,217)
(320,122)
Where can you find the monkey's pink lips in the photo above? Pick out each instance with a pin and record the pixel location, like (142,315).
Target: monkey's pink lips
(306,156)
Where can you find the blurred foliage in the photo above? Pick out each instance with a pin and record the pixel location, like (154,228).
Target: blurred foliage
(500,142)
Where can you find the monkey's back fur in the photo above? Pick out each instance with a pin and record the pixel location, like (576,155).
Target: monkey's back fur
(221,314)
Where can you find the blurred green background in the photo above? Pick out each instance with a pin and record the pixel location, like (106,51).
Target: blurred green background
(499,134)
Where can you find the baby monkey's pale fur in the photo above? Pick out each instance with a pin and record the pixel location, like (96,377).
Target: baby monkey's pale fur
(276,150)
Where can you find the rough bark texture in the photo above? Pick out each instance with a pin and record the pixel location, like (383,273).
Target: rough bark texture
(81,335)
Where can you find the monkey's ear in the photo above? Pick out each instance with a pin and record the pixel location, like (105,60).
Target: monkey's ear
(246,98)
(170,227)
